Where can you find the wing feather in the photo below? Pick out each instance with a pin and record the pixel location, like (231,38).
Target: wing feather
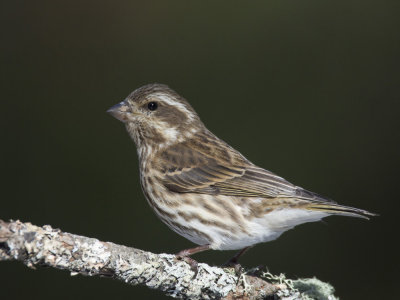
(203,173)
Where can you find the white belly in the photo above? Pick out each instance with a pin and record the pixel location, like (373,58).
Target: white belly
(259,230)
(270,227)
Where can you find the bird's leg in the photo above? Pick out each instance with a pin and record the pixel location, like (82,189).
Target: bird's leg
(185,256)
(234,261)
(191,251)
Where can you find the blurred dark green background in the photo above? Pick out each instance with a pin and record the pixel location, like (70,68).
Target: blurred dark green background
(307,89)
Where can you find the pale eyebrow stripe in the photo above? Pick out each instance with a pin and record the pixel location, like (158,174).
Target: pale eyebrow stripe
(165,98)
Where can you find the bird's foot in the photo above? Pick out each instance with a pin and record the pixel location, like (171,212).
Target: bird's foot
(184,255)
(234,264)
(194,265)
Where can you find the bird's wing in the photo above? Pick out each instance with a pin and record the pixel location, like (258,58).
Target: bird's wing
(188,170)
(266,184)
(257,182)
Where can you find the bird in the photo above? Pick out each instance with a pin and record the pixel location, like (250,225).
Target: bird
(204,189)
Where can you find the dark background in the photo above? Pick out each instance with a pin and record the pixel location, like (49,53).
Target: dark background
(307,89)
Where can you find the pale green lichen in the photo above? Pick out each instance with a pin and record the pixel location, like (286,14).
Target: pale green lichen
(302,288)
(313,288)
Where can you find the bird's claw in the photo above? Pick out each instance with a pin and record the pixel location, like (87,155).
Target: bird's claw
(194,265)
(234,264)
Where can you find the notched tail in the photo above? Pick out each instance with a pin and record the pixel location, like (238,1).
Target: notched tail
(336,209)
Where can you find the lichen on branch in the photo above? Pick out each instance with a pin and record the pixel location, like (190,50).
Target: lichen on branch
(37,246)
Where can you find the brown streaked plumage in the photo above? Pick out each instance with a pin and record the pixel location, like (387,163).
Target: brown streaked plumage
(204,189)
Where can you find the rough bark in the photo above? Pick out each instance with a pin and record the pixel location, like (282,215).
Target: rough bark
(36,246)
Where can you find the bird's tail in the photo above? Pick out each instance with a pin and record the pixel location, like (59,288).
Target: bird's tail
(336,209)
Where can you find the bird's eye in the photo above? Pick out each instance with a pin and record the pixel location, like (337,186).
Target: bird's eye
(152,105)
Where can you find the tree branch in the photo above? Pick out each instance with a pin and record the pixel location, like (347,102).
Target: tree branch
(36,246)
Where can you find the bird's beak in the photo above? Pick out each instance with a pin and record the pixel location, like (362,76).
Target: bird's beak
(120,111)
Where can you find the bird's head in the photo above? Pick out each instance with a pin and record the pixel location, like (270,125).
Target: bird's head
(156,116)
